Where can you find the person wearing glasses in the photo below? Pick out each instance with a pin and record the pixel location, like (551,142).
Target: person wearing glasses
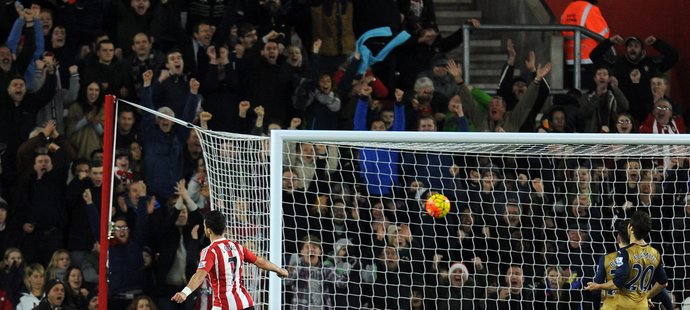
(625,123)
(125,276)
(663,120)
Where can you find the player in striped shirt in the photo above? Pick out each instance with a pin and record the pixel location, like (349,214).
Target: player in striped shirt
(222,262)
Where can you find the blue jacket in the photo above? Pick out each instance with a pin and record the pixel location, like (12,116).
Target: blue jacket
(126,271)
(164,160)
(13,44)
(433,169)
(379,167)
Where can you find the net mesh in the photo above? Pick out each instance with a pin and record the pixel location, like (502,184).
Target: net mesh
(527,224)
(238,173)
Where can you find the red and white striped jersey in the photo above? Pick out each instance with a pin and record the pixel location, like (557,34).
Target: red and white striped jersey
(223,260)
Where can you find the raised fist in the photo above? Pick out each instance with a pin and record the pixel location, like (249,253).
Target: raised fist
(316,47)
(259,111)
(271,36)
(205,116)
(399,93)
(613,81)
(88,199)
(147,77)
(224,54)
(616,39)
(239,51)
(165,74)
(211,53)
(365,90)
(194,86)
(635,76)
(295,122)
(244,107)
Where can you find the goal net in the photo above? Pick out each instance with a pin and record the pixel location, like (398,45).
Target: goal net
(530,217)
(237,176)
(237,169)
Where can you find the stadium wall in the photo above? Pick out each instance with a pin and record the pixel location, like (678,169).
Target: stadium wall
(665,19)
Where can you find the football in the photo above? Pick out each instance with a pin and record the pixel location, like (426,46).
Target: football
(437,205)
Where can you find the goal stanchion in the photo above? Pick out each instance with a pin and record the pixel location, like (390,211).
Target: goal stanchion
(106,190)
(530,215)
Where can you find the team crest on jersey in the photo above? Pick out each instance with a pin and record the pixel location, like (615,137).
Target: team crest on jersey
(619,261)
(202,264)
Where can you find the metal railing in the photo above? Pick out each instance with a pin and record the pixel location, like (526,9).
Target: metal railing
(578,32)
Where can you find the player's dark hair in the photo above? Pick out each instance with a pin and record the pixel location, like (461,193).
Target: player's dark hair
(215,221)
(641,224)
(622,231)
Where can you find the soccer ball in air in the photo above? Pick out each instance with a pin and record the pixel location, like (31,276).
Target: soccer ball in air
(437,205)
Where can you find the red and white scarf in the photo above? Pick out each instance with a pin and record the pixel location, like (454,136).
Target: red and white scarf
(671,128)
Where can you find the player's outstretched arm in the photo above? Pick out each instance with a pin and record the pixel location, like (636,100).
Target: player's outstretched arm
(193,284)
(268,265)
(592,286)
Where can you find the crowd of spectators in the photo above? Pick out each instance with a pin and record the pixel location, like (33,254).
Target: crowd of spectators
(253,66)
